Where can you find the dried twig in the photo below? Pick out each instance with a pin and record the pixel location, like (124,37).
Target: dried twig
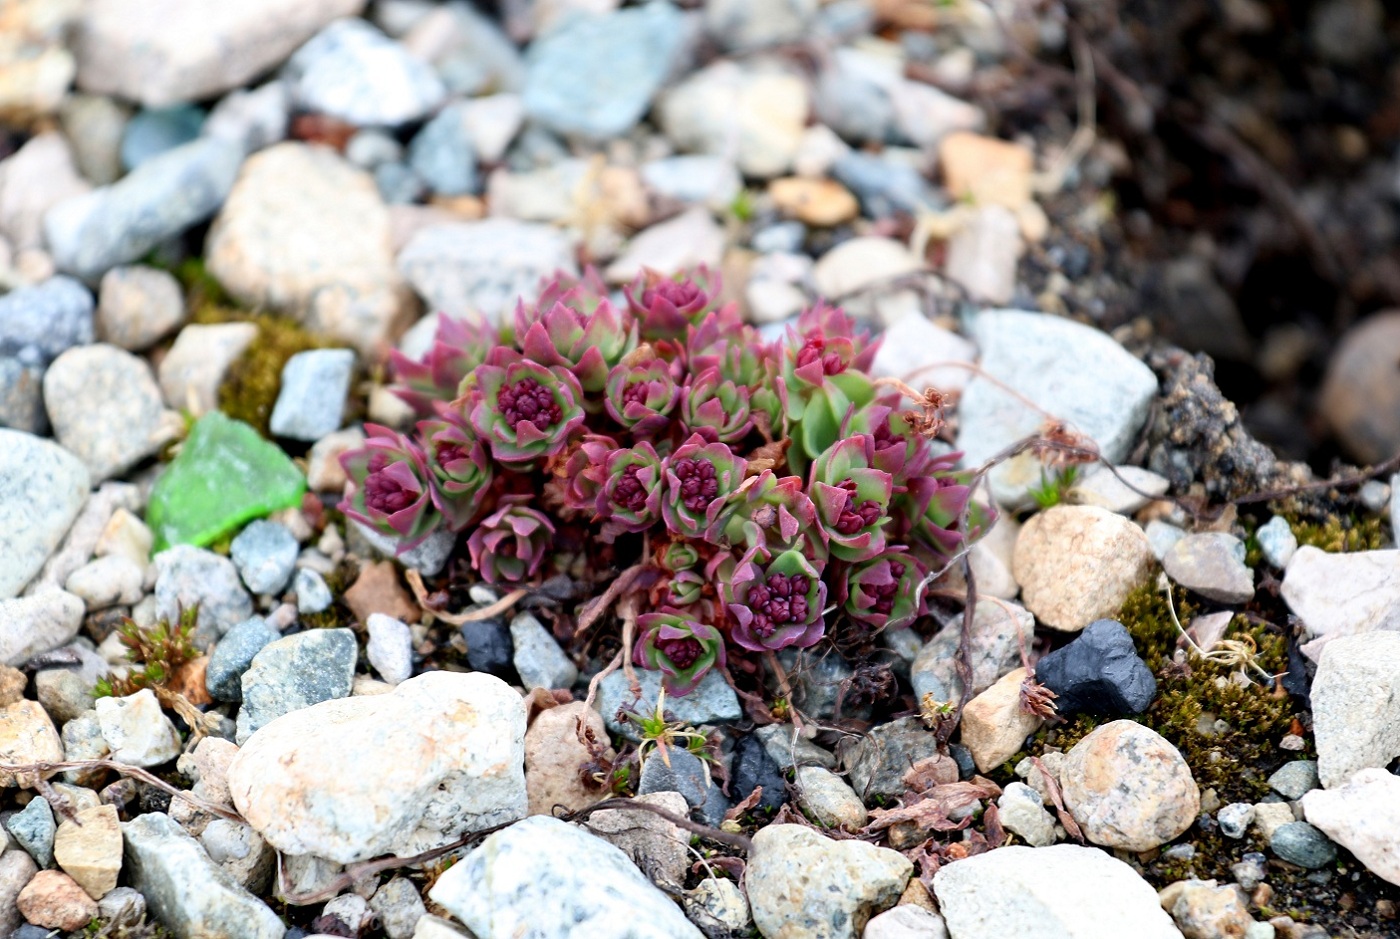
(594,609)
(136,772)
(420,593)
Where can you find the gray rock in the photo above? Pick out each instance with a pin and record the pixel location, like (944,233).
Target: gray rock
(34,828)
(31,528)
(428,557)
(313,595)
(884,186)
(117,224)
(1362,816)
(982,255)
(1022,812)
(311,401)
(594,76)
(138,306)
(442,153)
(37,324)
(83,740)
(512,885)
(686,774)
(186,576)
(399,907)
(252,119)
(398,184)
(491,123)
(658,846)
(234,653)
(1302,844)
(470,52)
(1277,541)
(106,408)
(370,148)
(1356,712)
(788,749)
(718,907)
(1161,536)
(1234,819)
(483,267)
(35,177)
(712,701)
(743,25)
(1295,778)
(241,852)
(296,672)
(997,638)
(712,180)
(21,396)
(878,762)
(353,72)
(67,692)
(390,648)
(34,624)
(817,681)
(1342,594)
(184,888)
(753,114)
(1098,673)
(1211,564)
(851,96)
(1070,370)
(124,906)
(1395,509)
(264,553)
(152,132)
(827,799)
(93,125)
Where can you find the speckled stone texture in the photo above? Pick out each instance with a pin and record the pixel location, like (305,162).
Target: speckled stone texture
(31,528)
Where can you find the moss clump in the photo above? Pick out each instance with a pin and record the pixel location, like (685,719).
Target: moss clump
(1340,534)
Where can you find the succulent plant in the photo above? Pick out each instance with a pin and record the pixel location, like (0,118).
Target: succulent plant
(715,408)
(668,306)
(883,592)
(459,346)
(686,588)
(524,411)
(630,497)
(683,649)
(578,476)
(588,339)
(678,556)
(641,395)
(699,479)
(773,512)
(461,470)
(772,604)
(391,488)
(511,544)
(934,508)
(852,498)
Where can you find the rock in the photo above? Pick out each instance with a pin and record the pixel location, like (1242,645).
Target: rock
(306,232)
(554,755)
(442,154)
(188,576)
(745,25)
(1022,812)
(16,870)
(852,97)
(39,323)
(1360,398)
(125,536)
(821,202)
(999,632)
(1098,673)
(994,726)
(711,702)
(718,907)
(1277,542)
(90,849)
(884,184)
(352,72)
(827,799)
(1204,910)
(859,263)
(878,761)
(311,401)
(491,123)
(435,927)
(398,907)
(538,658)
(754,113)
(27,735)
(460,771)
(982,255)
(1058,548)
(313,596)
(489,647)
(428,557)
(252,119)
(293,673)
(1356,714)
(1294,779)
(681,771)
(927,115)
(232,656)
(137,729)
(240,852)
(689,240)
(151,132)
(90,234)
(30,531)
(1363,816)
(390,648)
(1063,891)
(37,176)
(906,921)
(34,828)
(54,901)
(788,749)
(1122,493)
(912,344)
(482,268)
(1395,508)
(195,367)
(1211,564)
(1302,844)
(66,692)
(751,767)
(323,470)
(265,554)
(106,409)
(187,891)
(711,180)
(36,624)
(21,396)
(1235,819)
(1129,788)
(660,848)
(985,170)
(1072,371)
(1269,817)
(803,884)
(94,125)
(138,306)
(511,885)
(1342,594)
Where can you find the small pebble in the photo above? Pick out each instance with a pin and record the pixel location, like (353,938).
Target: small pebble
(1251,870)
(1302,844)
(390,648)
(313,596)
(264,553)
(1235,819)
(1277,541)
(1294,779)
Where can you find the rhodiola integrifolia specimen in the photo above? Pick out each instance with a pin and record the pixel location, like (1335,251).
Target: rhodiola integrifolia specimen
(775,485)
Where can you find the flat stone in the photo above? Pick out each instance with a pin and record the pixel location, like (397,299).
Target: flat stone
(138,306)
(1342,594)
(711,702)
(137,730)
(187,891)
(718,907)
(1078,563)
(460,771)
(1295,779)
(658,846)
(1000,631)
(994,726)
(187,576)
(1074,372)
(801,883)
(985,170)
(32,528)
(789,749)
(554,753)
(33,828)
(687,241)
(27,735)
(828,800)
(756,114)
(1098,673)
(390,648)
(1277,542)
(312,398)
(1211,564)
(196,365)
(90,849)
(820,202)
(1302,844)
(1363,816)
(912,344)
(1356,712)
(265,554)
(353,72)
(224,475)
(36,624)
(293,673)
(399,907)
(878,762)
(1063,891)
(1125,493)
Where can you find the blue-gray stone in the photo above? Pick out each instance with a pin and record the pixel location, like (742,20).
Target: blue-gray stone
(538,659)
(353,72)
(1302,844)
(489,647)
(34,828)
(313,595)
(480,58)
(442,155)
(295,672)
(117,224)
(311,401)
(187,576)
(878,762)
(39,323)
(264,553)
(150,133)
(594,76)
(686,774)
(22,396)
(782,236)
(398,184)
(710,702)
(231,657)
(1277,541)
(885,186)
(1098,673)
(1295,778)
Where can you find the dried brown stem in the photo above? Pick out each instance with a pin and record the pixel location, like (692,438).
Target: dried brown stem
(420,593)
(135,772)
(594,609)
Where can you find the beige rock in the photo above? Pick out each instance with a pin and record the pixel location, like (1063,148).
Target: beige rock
(993,724)
(688,240)
(33,85)
(323,470)
(1360,396)
(1269,817)
(859,263)
(1203,909)
(27,735)
(39,175)
(194,368)
(54,900)
(138,306)
(90,849)
(828,800)
(757,113)
(660,848)
(986,170)
(126,536)
(1078,563)
(1341,594)
(12,684)
(208,766)
(554,758)
(821,202)
(1127,787)
(1356,708)
(1362,816)
(377,590)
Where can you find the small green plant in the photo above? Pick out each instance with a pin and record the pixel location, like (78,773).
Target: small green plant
(742,207)
(1055,485)
(660,733)
(159,650)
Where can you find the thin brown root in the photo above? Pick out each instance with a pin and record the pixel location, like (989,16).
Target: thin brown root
(420,593)
(136,772)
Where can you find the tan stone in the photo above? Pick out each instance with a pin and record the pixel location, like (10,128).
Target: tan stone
(27,735)
(822,202)
(1360,395)
(90,849)
(993,724)
(1203,909)
(377,590)
(54,900)
(659,847)
(555,758)
(12,684)
(1078,563)
(986,170)
(188,680)
(1269,817)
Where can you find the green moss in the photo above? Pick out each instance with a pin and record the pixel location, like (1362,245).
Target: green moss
(337,615)
(1339,534)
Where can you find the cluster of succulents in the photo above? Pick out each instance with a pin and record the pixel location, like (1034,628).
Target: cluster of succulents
(774,487)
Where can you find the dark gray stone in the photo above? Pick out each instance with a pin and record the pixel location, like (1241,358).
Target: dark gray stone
(1294,779)
(1098,673)
(489,648)
(39,323)
(752,766)
(1302,844)
(232,656)
(687,775)
(711,702)
(878,762)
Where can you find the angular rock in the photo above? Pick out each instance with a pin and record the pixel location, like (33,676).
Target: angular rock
(1063,891)
(554,754)
(353,72)
(718,907)
(240,852)
(1078,563)
(37,176)
(681,771)
(745,25)
(1122,493)
(293,673)
(399,907)
(828,800)
(1234,819)
(1363,816)
(752,767)
(689,240)
(994,725)
(187,576)
(659,847)
(137,730)
(1099,672)
(30,528)
(878,762)
(489,647)
(16,870)
(1129,788)
(108,581)
(153,131)
(1342,594)
(195,367)
(803,884)
(755,114)
(462,769)
(1269,817)
(313,596)
(1022,811)
(1203,910)
(1356,711)
(90,849)
(1000,631)
(27,735)
(538,659)
(1293,780)
(1277,541)
(54,901)
(39,323)
(253,119)
(982,255)
(36,624)
(233,654)
(265,554)
(712,701)
(34,829)
(1211,564)
(311,401)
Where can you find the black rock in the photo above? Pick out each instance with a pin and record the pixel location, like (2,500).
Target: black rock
(1098,673)
(489,647)
(752,766)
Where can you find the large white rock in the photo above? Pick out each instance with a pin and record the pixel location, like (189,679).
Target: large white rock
(1341,594)
(397,773)
(1356,705)
(1362,816)
(1064,891)
(35,624)
(546,878)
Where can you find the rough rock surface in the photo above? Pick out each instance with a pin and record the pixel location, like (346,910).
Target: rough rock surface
(1078,563)
(1098,673)
(1356,705)
(999,632)
(1362,816)
(1341,594)
(31,529)
(27,735)
(1211,564)
(553,754)
(994,726)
